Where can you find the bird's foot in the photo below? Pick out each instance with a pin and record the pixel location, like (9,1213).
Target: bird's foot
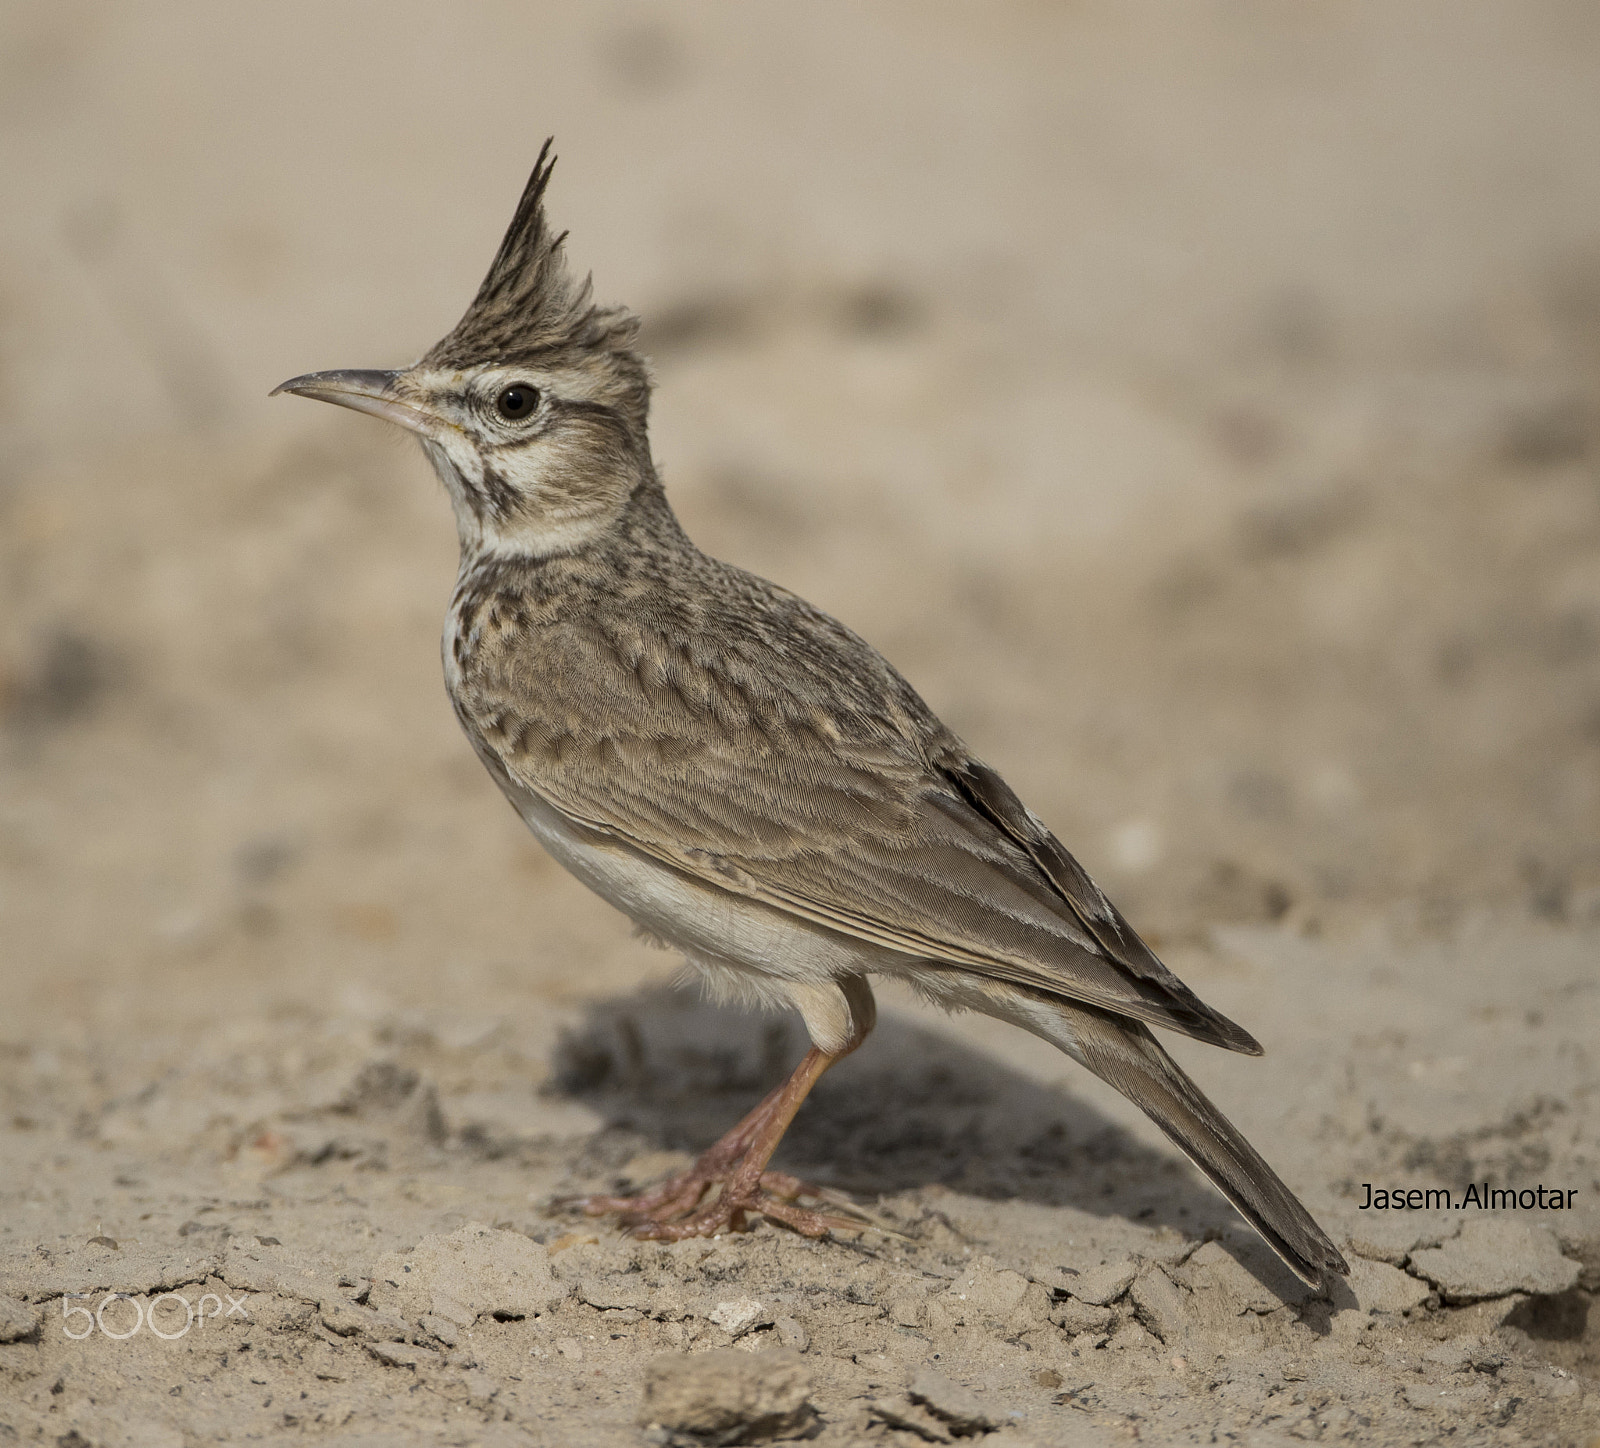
(735,1168)
(673,1210)
(774,1195)
(678,1195)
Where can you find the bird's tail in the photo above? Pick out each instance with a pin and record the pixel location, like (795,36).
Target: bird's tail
(1125,1055)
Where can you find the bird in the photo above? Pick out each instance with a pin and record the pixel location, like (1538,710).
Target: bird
(749,781)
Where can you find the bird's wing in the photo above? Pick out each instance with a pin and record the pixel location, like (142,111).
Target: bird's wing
(840,800)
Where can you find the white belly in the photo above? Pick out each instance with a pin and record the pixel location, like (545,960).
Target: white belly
(717,930)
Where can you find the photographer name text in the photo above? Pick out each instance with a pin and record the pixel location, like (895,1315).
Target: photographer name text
(1481,1195)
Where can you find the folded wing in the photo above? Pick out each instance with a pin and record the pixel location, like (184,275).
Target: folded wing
(846,804)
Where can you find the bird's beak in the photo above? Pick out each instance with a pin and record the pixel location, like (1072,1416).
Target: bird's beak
(365,391)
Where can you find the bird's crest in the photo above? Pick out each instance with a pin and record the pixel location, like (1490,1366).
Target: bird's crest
(529,308)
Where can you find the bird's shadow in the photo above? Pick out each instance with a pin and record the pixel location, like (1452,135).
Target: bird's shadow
(913,1108)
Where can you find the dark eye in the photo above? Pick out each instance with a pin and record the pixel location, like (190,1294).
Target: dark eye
(517,401)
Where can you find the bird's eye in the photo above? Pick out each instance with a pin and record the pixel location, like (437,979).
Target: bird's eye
(517,401)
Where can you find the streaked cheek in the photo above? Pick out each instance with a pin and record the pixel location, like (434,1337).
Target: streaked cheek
(461,471)
(592,458)
(464,459)
(553,477)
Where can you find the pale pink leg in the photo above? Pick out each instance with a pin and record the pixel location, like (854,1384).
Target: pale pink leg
(737,1163)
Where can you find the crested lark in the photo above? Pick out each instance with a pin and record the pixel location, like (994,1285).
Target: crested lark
(737,771)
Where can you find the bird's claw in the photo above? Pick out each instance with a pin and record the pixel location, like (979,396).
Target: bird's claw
(672,1211)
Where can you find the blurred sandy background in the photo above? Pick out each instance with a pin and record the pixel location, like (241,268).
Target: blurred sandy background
(1200,404)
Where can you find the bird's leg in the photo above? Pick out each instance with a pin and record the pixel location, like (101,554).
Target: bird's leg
(737,1164)
(746,1185)
(681,1194)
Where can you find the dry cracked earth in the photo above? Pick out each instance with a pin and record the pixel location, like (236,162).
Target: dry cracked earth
(349,1227)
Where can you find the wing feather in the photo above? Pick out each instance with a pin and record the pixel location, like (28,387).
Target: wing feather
(811,777)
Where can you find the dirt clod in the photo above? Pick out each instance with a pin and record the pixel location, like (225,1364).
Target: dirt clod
(1493,1257)
(728,1397)
(474,1272)
(18,1320)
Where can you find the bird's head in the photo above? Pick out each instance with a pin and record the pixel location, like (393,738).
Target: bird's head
(533,410)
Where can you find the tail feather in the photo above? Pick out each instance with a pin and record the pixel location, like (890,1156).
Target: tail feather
(1125,1055)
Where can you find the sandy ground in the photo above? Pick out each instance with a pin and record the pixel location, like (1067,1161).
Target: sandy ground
(1201,407)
